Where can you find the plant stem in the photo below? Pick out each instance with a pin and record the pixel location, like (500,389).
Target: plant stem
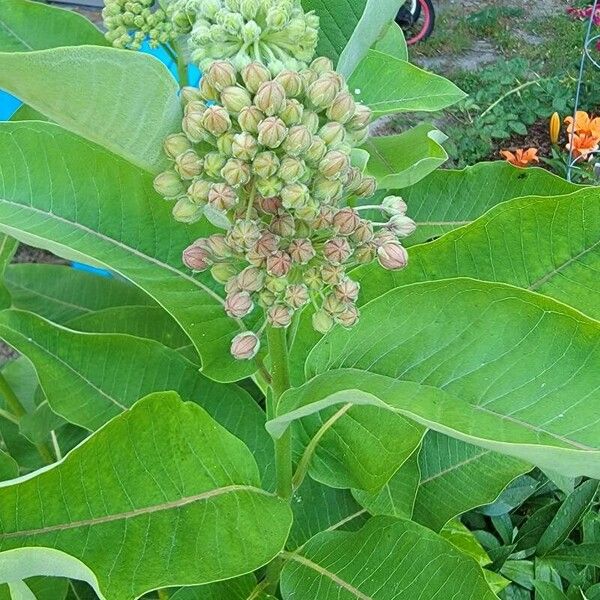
(511,92)
(182,70)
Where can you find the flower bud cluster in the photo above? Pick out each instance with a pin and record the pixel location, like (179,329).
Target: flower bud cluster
(277,181)
(129,22)
(275,32)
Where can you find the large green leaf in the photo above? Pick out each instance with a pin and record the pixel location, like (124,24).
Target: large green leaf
(8,466)
(448,199)
(173,494)
(516,372)
(240,588)
(390,85)
(57,191)
(61,294)
(387,559)
(399,161)
(125,101)
(549,245)
(393,42)
(27,25)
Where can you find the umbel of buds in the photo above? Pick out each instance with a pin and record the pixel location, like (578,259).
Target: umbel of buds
(276,33)
(129,22)
(280,184)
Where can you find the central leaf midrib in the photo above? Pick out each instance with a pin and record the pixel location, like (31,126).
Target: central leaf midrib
(181,502)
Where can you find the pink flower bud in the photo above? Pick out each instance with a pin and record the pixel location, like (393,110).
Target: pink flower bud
(279,264)
(283,225)
(271,132)
(401,225)
(324,219)
(222,196)
(348,317)
(267,244)
(250,118)
(296,295)
(342,108)
(245,346)
(236,172)
(331,274)
(176,144)
(367,187)
(346,221)
(322,321)
(301,251)
(188,165)
(196,257)
(337,250)
(363,232)
(221,74)
(244,146)
(334,165)
(392,256)
(279,315)
(270,98)
(333,305)
(347,290)
(271,205)
(235,98)
(238,305)
(395,205)
(251,280)
(291,82)
(254,75)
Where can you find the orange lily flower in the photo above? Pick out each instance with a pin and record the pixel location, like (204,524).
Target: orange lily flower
(520,157)
(584,124)
(583,144)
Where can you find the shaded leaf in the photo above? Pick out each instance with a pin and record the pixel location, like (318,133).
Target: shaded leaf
(583,554)
(239,588)
(9,468)
(393,42)
(547,591)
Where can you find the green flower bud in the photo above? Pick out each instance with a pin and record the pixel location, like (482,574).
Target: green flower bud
(291,169)
(216,120)
(238,305)
(365,254)
(277,18)
(363,232)
(235,98)
(310,120)
(279,315)
(265,164)
(245,346)
(267,298)
(337,250)
(279,264)
(331,274)
(272,132)
(243,235)
(358,137)
(225,144)
(250,118)
(334,165)
(196,257)
(316,151)
(312,278)
(347,290)
(255,259)
(176,144)
(308,76)
(322,322)
(296,296)
(332,133)
(244,146)
(353,180)
(361,118)
(186,211)
(189,94)
(168,185)
(346,221)
(193,128)
(324,218)
(291,82)
(306,213)
(270,98)
(298,140)
(251,280)
(392,256)
(221,74)
(207,91)
(321,65)
(292,113)
(276,285)
(254,75)
(233,23)
(236,172)
(249,9)
(348,317)
(343,108)
(198,191)
(283,225)
(301,250)
(322,92)
(367,187)
(213,163)
(188,165)
(222,197)
(222,272)
(218,247)
(327,190)
(294,195)
(269,187)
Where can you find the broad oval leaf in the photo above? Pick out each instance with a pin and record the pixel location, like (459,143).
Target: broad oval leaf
(55,186)
(498,381)
(393,42)
(390,85)
(177,495)
(387,559)
(26,25)
(135,104)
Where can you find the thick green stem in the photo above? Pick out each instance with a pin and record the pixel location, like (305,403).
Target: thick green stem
(182,70)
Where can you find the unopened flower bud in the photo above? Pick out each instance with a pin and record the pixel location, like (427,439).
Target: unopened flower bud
(277,17)
(265,164)
(331,274)
(401,225)
(367,187)
(383,236)
(272,132)
(235,98)
(346,221)
(298,140)
(245,346)
(301,250)
(236,172)
(321,64)
(207,91)
(333,305)
(176,144)
(361,118)
(222,272)
(365,254)
(244,146)
(291,82)
(279,264)
(188,165)
(332,133)
(270,98)
(189,94)
(186,211)
(294,195)
(310,120)
(283,225)
(218,247)
(312,278)
(193,128)
(324,218)
(276,285)
(395,205)
(308,76)
(198,190)
(327,190)
(267,298)
(322,321)
(249,119)
(358,137)
(196,257)
(270,205)
(392,256)
(352,180)
(221,74)
(238,305)
(296,295)
(269,187)
(342,108)
(292,113)
(222,196)
(243,235)
(168,185)
(254,75)
(337,250)
(348,317)
(213,164)
(267,244)
(251,280)
(291,169)
(347,290)
(363,232)
(279,315)
(316,151)
(255,259)
(216,120)
(322,92)
(334,164)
